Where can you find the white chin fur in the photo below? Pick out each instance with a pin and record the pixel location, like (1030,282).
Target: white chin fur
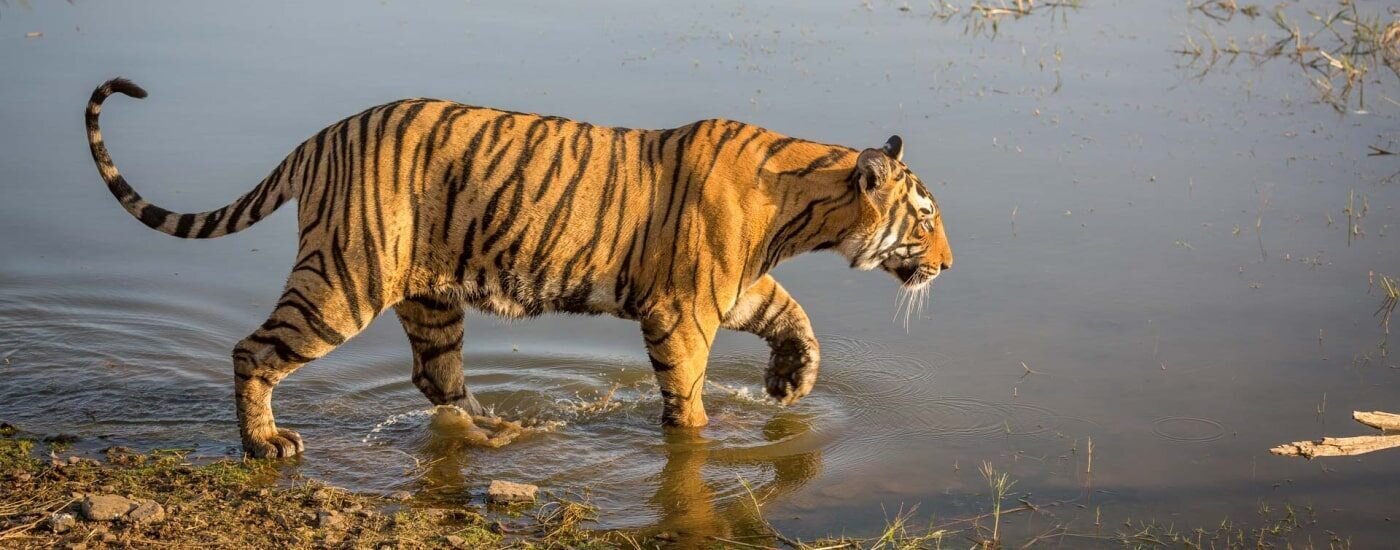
(854,251)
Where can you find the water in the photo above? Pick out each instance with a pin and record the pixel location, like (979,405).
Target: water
(1165,252)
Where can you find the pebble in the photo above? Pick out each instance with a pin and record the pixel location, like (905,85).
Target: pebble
(400,495)
(327,494)
(61,522)
(456,541)
(148,511)
(329,519)
(506,492)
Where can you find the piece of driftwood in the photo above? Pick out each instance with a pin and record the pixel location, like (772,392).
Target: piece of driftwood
(1348,446)
(1378,420)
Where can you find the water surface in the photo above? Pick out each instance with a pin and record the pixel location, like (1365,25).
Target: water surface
(1165,252)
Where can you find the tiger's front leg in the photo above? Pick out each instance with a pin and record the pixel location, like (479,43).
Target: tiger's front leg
(678,345)
(767,310)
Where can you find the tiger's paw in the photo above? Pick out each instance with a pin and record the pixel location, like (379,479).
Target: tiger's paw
(792,371)
(283,443)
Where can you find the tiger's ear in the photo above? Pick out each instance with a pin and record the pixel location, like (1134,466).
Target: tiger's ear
(894,147)
(872,169)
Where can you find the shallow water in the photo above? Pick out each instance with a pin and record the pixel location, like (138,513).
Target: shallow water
(1149,258)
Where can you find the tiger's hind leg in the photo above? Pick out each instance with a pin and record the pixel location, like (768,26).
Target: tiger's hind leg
(434,324)
(308,322)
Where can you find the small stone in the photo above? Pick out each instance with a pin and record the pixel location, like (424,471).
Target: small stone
(61,522)
(23,477)
(666,536)
(399,495)
(106,507)
(327,494)
(148,511)
(77,546)
(456,541)
(329,519)
(506,492)
(74,459)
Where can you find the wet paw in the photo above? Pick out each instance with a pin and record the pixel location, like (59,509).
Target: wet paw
(792,371)
(283,444)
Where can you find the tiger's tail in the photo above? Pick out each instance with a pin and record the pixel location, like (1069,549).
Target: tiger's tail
(256,204)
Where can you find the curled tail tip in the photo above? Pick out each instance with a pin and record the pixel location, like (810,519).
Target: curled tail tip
(122,86)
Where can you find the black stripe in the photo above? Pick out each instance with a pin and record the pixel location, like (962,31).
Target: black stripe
(658,365)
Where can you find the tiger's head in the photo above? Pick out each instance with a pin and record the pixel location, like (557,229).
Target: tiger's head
(900,228)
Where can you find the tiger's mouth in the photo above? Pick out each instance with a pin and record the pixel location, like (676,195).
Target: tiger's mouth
(916,276)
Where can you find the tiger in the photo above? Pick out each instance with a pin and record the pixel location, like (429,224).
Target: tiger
(429,207)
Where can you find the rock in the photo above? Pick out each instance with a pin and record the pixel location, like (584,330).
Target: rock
(506,492)
(106,507)
(399,495)
(23,477)
(147,511)
(61,522)
(327,494)
(74,459)
(666,536)
(77,546)
(329,519)
(456,541)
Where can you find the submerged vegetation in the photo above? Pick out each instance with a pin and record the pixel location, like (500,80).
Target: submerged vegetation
(1337,50)
(985,16)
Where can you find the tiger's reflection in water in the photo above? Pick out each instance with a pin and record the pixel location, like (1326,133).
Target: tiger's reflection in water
(693,509)
(702,490)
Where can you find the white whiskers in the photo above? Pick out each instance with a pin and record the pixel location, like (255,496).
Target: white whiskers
(912,302)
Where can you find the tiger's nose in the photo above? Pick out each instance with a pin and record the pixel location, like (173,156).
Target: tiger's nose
(946,265)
